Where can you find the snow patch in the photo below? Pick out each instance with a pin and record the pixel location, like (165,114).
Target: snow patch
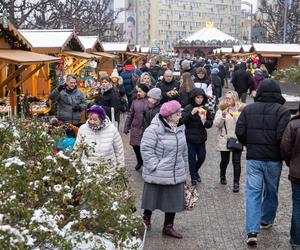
(13,161)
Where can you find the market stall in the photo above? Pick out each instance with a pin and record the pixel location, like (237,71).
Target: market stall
(118,49)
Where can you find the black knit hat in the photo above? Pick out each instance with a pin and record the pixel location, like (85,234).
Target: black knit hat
(144,87)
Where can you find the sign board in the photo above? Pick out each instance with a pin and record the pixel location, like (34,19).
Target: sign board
(155,50)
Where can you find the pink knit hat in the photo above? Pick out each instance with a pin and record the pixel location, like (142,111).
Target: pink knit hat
(170,108)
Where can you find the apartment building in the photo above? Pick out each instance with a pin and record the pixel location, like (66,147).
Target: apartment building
(160,23)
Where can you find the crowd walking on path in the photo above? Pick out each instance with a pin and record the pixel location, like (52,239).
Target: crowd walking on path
(168,118)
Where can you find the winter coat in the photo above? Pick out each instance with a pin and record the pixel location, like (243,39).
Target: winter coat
(205,84)
(135,120)
(184,98)
(110,99)
(154,71)
(164,153)
(150,113)
(241,80)
(66,101)
(195,130)
(261,124)
(107,144)
(216,85)
(127,74)
(290,148)
(257,79)
(166,87)
(229,121)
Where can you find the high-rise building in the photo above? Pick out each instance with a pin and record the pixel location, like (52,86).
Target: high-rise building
(162,22)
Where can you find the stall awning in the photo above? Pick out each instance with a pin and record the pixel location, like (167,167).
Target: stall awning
(25,57)
(80,54)
(104,54)
(271,55)
(296,57)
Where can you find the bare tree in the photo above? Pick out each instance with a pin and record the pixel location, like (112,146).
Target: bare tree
(271,18)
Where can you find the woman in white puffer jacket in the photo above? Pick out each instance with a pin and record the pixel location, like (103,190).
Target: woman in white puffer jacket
(100,134)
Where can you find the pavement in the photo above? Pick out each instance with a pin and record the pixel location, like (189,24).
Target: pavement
(217,221)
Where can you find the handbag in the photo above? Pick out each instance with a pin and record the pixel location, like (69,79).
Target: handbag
(191,196)
(233,144)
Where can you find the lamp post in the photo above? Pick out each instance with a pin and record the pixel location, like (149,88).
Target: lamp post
(251,17)
(285,20)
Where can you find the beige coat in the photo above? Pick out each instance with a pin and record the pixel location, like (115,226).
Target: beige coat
(230,121)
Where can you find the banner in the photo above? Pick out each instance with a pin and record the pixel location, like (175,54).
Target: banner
(130,28)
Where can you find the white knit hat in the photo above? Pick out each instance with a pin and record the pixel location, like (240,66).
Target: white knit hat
(114,74)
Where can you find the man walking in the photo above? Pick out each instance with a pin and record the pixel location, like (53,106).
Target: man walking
(260,128)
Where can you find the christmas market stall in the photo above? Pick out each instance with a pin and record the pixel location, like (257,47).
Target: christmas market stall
(118,49)
(22,72)
(276,56)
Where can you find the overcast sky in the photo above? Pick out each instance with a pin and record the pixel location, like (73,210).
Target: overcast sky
(254,2)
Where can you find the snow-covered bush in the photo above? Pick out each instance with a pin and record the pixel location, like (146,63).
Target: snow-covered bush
(52,201)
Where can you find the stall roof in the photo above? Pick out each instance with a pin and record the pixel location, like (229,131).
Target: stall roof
(115,47)
(89,42)
(55,38)
(25,57)
(104,54)
(236,48)
(80,54)
(245,48)
(276,48)
(296,57)
(226,50)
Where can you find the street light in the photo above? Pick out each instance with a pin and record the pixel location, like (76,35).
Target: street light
(251,17)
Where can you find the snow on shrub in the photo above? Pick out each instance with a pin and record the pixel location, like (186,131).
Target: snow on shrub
(54,201)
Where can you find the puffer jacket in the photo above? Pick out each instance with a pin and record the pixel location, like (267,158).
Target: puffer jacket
(290,149)
(195,131)
(261,124)
(66,101)
(164,153)
(126,74)
(107,144)
(230,122)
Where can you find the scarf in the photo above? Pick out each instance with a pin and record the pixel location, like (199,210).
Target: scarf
(173,126)
(109,88)
(96,127)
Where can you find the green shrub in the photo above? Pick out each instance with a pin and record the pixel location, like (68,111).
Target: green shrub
(291,74)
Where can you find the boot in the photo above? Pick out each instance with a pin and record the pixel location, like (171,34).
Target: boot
(236,187)
(223,180)
(147,221)
(170,231)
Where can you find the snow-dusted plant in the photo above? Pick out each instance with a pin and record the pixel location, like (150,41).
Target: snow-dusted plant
(53,201)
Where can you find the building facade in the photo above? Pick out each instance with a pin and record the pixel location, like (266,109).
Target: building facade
(160,23)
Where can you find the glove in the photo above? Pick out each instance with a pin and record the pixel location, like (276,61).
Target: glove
(61,87)
(76,108)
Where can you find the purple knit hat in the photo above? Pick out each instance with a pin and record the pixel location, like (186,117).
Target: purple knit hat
(170,108)
(97,110)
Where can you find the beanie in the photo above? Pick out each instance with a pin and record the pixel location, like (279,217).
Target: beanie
(170,108)
(114,74)
(155,93)
(144,87)
(97,110)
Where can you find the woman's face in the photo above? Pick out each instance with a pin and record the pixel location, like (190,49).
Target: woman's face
(105,84)
(115,79)
(146,79)
(175,118)
(229,100)
(140,92)
(201,75)
(94,119)
(199,99)
(152,100)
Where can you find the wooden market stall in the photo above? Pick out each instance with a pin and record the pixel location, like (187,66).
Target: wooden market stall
(277,56)
(19,68)
(118,49)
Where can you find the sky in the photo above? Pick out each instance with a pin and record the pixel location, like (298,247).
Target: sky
(254,2)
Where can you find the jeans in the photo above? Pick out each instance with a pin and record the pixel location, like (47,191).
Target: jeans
(196,154)
(295,225)
(236,162)
(261,193)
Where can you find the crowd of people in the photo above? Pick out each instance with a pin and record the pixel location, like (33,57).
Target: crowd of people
(168,118)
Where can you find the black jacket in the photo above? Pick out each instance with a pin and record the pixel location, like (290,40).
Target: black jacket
(195,130)
(261,124)
(150,113)
(184,98)
(166,87)
(109,99)
(241,80)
